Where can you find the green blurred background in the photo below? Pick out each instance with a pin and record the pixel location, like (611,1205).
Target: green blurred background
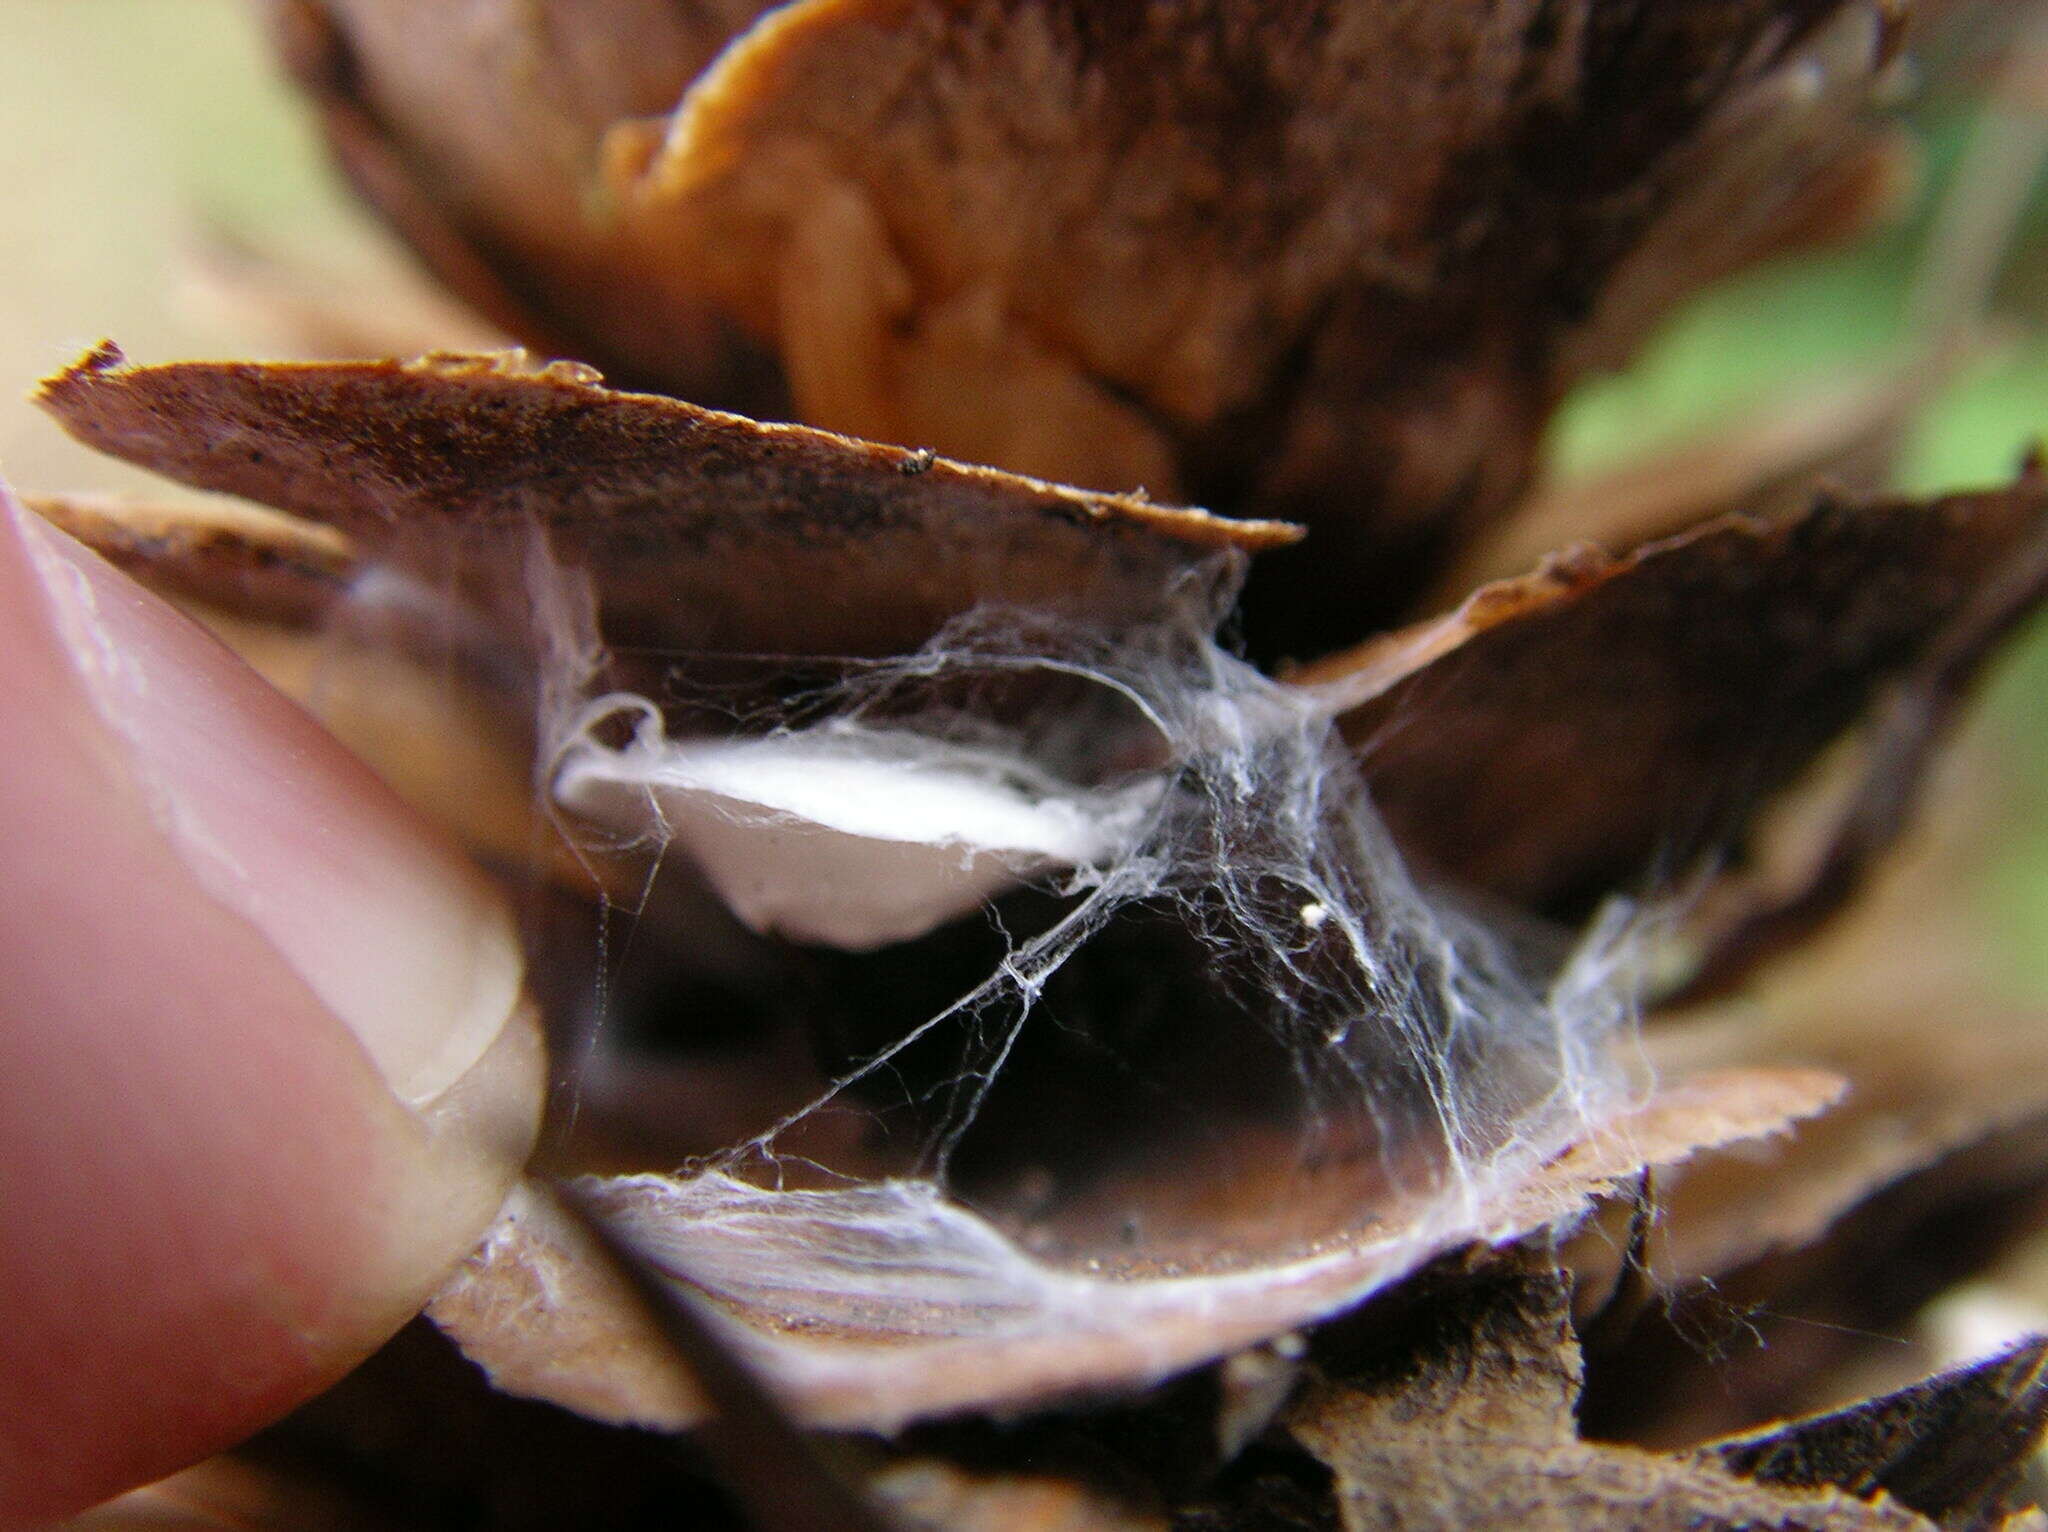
(131,132)
(136,136)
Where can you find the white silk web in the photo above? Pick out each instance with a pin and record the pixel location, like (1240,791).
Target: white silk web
(1119,773)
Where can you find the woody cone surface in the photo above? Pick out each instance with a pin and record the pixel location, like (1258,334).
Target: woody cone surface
(853,321)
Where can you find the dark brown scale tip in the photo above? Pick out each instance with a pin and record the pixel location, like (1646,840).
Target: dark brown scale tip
(104,357)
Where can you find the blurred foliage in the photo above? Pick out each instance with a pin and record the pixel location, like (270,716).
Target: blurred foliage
(1819,315)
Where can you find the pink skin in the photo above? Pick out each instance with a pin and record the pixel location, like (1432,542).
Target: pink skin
(236,976)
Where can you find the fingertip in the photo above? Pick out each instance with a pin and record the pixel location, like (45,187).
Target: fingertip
(215,1197)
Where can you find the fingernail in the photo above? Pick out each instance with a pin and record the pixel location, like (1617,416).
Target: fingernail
(398,934)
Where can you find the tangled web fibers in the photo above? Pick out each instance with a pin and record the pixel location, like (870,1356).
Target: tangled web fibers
(1125,775)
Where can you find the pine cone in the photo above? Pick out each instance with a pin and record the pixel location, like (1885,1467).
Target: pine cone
(1219,1059)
